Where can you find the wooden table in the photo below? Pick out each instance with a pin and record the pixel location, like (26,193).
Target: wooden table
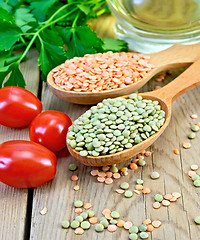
(20,216)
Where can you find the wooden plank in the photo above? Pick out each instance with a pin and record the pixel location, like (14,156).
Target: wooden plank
(13,201)
(177,220)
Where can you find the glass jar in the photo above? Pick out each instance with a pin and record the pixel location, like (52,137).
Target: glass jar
(153,25)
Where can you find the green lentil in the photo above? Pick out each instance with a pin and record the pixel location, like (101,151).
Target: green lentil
(75,224)
(99,227)
(158,197)
(85,225)
(139,181)
(79,218)
(83,153)
(144,235)
(104,222)
(128,194)
(65,224)
(133,236)
(90,213)
(78,203)
(141,162)
(195,128)
(115,214)
(113,221)
(197,220)
(114,169)
(124,185)
(133,229)
(195,177)
(142,227)
(196,183)
(84,215)
(198,173)
(191,135)
(72,167)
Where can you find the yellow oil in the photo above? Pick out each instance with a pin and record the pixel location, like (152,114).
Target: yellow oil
(160,15)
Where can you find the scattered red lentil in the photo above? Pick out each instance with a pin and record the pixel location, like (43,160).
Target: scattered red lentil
(44,211)
(186,145)
(191,173)
(133,166)
(135,160)
(105,168)
(137,192)
(124,169)
(146,190)
(101,179)
(76,187)
(78,210)
(79,231)
(109,174)
(143,152)
(156,224)
(198,124)
(87,205)
(150,228)
(194,116)
(128,225)
(147,154)
(116,175)
(156,205)
(176,151)
(102,174)
(161,77)
(173,199)
(108,181)
(120,223)
(120,191)
(147,221)
(106,210)
(74,178)
(112,228)
(93,220)
(140,157)
(94,173)
(101,71)
(168,196)
(138,187)
(176,194)
(108,216)
(165,203)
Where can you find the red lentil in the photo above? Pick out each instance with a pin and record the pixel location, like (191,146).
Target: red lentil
(79,231)
(112,228)
(74,178)
(150,228)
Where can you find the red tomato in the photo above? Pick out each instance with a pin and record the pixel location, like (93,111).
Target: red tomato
(18,107)
(50,129)
(25,164)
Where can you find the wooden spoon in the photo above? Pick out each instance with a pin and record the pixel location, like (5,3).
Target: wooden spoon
(174,57)
(166,95)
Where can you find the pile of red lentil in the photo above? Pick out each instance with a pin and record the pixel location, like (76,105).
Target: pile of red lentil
(101,71)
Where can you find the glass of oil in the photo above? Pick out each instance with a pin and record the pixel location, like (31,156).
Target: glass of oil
(153,25)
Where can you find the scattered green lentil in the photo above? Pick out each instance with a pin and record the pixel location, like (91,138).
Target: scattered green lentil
(84,215)
(79,218)
(99,227)
(114,169)
(115,214)
(158,197)
(140,181)
(133,236)
(133,229)
(197,183)
(144,235)
(113,221)
(142,227)
(128,194)
(85,225)
(130,121)
(195,128)
(65,224)
(104,222)
(90,213)
(195,177)
(191,135)
(74,224)
(197,220)
(78,203)
(198,173)
(141,162)
(72,167)
(124,185)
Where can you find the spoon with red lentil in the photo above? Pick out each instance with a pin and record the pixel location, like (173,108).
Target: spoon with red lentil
(94,77)
(97,151)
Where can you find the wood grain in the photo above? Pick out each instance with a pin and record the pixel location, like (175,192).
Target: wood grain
(13,201)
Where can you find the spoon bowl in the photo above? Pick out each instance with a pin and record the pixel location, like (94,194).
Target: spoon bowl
(173,57)
(166,95)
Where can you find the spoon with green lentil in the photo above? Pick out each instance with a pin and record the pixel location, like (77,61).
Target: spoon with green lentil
(90,79)
(119,128)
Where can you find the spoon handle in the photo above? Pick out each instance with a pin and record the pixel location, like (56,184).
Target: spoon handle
(176,56)
(189,79)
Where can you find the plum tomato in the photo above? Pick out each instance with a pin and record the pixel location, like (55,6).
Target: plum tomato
(25,164)
(49,129)
(18,107)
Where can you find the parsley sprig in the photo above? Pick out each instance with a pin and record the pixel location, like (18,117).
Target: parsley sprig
(58,29)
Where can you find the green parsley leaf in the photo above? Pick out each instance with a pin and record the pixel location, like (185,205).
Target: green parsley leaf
(9,35)
(114,45)
(51,51)
(23,18)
